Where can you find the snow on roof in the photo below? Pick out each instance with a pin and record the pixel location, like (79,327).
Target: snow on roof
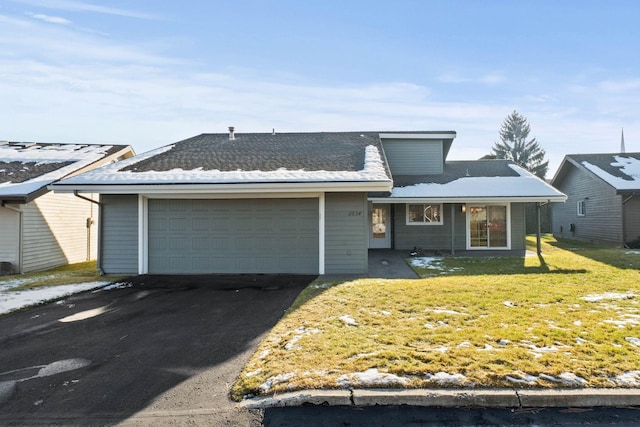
(70,157)
(629,166)
(374,170)
(525,185)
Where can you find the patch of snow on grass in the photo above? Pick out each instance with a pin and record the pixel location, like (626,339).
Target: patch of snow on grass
(509,304)
(348,320)
(275,380)
(385,313)
(444,378)
(627,379)
(325,285)
(15,300)
(608,296)
(264,354)
(632,252)
(522,379)
(370,377)
(622,323)
(426,262)
(6,285)
(633,341)
(444,311)
(253,373)
(299,333)
(566,378)
(432,263)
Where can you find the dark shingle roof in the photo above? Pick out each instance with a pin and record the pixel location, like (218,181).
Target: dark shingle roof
(26,168)
(328,151)
(454,170)
(17,172)
(604,161)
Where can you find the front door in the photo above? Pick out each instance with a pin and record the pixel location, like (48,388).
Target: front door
(380,226)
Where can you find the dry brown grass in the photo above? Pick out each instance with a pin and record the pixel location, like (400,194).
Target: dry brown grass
(493,322)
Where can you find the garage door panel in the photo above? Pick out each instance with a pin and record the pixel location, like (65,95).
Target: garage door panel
(233,236)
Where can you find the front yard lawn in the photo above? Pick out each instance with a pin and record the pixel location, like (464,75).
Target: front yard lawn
(67,274)
(570,318)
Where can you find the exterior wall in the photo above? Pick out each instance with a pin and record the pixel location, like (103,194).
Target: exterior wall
(414,157)
(632,219)
(10,236)
(428,237)
(346,233)
(602,223)
(438,237)
(55,231)
(119,234)
(518,227)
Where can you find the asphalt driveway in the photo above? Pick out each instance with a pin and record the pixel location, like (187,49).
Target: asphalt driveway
(163,350)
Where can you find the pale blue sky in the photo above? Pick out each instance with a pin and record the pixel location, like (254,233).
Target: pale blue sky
(149,73)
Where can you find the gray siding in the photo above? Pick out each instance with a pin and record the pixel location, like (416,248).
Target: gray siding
(346,233)
(119,234)
(602,223)
(429,237)
(632,219)
(414,157)
(438,237)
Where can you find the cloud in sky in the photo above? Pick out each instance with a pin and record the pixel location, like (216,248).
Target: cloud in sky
(78,6)
(69,84)
(49,19)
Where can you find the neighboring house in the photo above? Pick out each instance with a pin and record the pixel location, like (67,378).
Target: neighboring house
(306,203)
(40,229)
(603,203)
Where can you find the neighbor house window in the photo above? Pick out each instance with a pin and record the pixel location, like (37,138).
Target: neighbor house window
(422,213)
(582,208)
(488,227)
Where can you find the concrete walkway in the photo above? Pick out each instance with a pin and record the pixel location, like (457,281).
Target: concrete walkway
(389,264)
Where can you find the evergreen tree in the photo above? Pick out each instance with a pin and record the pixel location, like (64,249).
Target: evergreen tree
(514,146)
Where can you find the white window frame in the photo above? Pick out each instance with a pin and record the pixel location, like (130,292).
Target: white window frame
(581,208)
(440,211)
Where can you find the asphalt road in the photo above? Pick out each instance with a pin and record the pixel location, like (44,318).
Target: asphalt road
(401,416)
(161,352)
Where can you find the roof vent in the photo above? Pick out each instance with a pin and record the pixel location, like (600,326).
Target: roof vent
(273,131)
(232,134)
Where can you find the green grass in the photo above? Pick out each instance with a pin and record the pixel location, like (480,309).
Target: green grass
(68,274)
(473,322)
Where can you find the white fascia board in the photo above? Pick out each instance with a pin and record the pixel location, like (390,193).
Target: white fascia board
(443,135)
(524,199)
(295,187)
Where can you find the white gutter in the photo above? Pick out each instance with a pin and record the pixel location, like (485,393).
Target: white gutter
(475,199)
(280,187)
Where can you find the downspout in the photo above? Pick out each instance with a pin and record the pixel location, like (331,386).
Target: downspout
(20,228)
(538,243)
(98,248)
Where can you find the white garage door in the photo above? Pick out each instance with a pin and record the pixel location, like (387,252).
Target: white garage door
(233,236)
